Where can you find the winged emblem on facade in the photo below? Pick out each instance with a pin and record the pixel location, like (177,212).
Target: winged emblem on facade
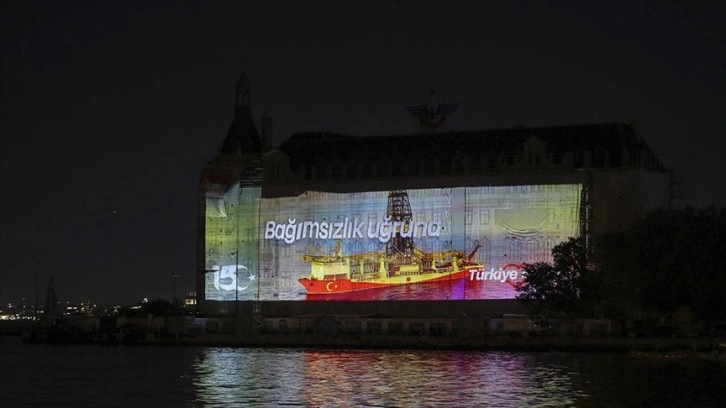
(431,114)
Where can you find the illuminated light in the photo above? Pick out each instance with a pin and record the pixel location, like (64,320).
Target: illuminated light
(272,237)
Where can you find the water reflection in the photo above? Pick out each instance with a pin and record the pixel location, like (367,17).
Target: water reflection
(384,378)
(226,376)
(89,376)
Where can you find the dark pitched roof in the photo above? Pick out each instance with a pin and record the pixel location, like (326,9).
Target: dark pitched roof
(619,140)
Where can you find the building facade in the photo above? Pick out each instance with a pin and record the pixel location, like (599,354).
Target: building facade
(425,216)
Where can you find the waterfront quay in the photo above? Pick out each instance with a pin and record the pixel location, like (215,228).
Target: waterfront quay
(376,325)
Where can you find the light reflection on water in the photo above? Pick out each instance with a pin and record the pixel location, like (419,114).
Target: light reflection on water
(382,378)
(121,376)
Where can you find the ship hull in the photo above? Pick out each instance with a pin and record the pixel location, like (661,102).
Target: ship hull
(329,287)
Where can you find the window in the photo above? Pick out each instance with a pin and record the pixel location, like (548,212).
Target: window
(416,329)
(395,328)
(484,217)
(374,327)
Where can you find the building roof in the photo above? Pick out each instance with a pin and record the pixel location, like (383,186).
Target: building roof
(608,144)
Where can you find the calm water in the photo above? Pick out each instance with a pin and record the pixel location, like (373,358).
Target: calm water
(98,376)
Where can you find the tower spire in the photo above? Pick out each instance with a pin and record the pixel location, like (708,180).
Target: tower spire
(243,91)
(242,136)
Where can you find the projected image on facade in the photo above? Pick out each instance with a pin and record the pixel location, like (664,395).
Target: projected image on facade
(424,244)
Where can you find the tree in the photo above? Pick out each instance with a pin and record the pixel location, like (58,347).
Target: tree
(622,276)
(681,255)
(668,261)
(569,286)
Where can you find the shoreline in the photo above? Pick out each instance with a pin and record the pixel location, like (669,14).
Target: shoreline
(490,343)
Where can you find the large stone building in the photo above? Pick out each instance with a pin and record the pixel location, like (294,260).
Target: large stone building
(508,194)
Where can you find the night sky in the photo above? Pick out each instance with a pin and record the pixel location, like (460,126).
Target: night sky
(110,110)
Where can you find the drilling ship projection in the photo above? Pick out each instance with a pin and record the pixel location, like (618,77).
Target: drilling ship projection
(400,264)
